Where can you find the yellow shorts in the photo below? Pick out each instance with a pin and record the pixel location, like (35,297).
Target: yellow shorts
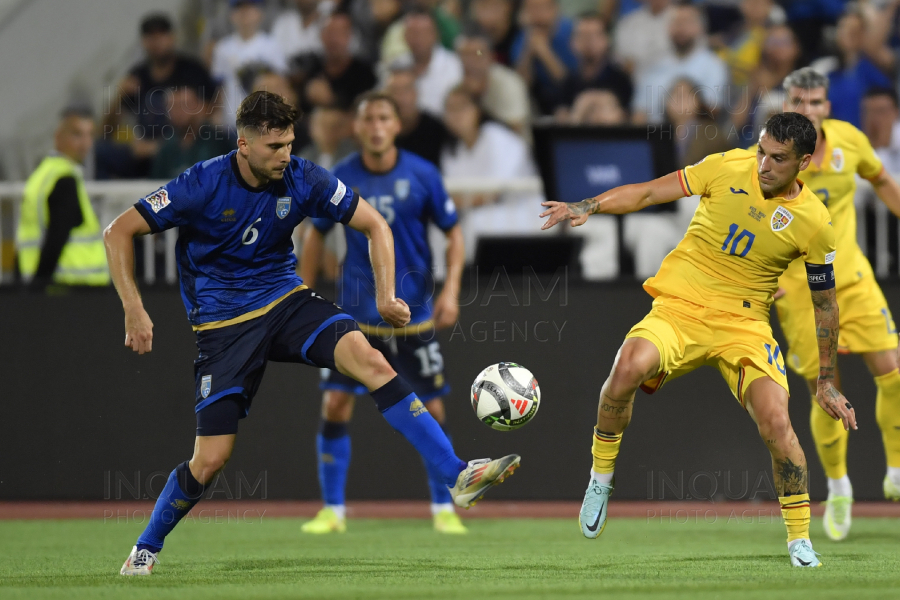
(688,336)
(865,321)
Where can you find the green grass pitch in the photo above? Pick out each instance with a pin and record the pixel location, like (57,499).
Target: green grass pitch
(404,559)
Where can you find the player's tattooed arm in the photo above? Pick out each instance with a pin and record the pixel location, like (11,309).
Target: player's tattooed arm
(827,328)
(617,201)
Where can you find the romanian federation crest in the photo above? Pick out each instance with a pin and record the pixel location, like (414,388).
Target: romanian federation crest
(205,385)
(837,159)
(283,207)
(401,189)
(781,218)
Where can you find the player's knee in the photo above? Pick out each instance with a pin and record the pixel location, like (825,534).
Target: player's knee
(775,425)
(337,407)
(204,467)
(375,364)
(628,373)
(634,365)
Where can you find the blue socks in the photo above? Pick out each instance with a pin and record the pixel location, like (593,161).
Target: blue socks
(439,492)
(333,450)
(181,493)
(408,415)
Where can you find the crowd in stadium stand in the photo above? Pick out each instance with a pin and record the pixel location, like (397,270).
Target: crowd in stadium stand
(472,76)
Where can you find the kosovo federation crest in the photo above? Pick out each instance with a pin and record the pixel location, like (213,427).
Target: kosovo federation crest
(283,207)
(781,218)
(837,159)
(401,189)
(205,385)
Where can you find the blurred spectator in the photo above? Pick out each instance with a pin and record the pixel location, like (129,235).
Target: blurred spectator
(191,138)
(237,58)
(742,50)
(270,81)
(808,18)
(642,37)
(881,123)
(329,129)
(597,107)
(394,43)
(335,77)
(542,53)
(489,150)
(215,22)
(420,133)
(500,91)
(496,19)
(590,44)
(882,20)
(58,237)
(437,69)
(382,28)
(851,73)
(692,125)
(134,121)
(780,57)
(691,60)
(298,30)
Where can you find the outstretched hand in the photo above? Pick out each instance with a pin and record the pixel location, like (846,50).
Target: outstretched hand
(577,213)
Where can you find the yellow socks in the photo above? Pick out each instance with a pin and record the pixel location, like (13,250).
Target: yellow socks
(605,451)
(831,439)
(887,413)
(795,510)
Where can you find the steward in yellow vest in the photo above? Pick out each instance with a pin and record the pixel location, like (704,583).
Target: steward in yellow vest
(59,239)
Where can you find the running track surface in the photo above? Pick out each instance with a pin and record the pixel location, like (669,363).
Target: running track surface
(394,509)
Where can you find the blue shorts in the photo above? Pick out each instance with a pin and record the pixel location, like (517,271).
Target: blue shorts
(416,358)
(303,328)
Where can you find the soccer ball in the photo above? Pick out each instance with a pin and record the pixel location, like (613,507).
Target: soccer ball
(505,396)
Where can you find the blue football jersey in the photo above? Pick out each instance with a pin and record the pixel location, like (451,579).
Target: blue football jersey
(408,197)
(234,251)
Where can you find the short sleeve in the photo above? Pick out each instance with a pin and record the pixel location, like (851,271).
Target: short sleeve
(696,179)
(869,166)
(441,207)
(821,249)
(174,204)
(323,225)
(327,196)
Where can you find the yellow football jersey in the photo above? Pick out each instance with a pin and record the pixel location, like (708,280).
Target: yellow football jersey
(738,243)
(847,152)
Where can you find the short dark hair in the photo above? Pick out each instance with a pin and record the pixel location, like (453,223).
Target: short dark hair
(883,91)
(156,23)
(375,96)
(265,111)
(790,126)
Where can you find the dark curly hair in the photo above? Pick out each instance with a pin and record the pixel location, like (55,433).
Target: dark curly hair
(790,126)
(264,111)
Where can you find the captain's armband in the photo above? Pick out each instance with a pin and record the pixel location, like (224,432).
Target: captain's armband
(820,277)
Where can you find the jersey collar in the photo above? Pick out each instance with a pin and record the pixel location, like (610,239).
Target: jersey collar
(240,179)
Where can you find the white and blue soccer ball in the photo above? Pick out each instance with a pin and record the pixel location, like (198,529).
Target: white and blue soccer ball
(505,396)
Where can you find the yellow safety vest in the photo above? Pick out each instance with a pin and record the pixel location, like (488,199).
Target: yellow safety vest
(83,259)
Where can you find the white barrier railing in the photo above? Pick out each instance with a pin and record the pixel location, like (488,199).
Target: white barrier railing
(111,198)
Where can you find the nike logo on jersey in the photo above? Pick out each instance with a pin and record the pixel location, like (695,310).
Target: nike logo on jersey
(739,191)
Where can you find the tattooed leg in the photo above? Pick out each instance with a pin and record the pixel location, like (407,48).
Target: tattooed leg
(767,403)
(637,361)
